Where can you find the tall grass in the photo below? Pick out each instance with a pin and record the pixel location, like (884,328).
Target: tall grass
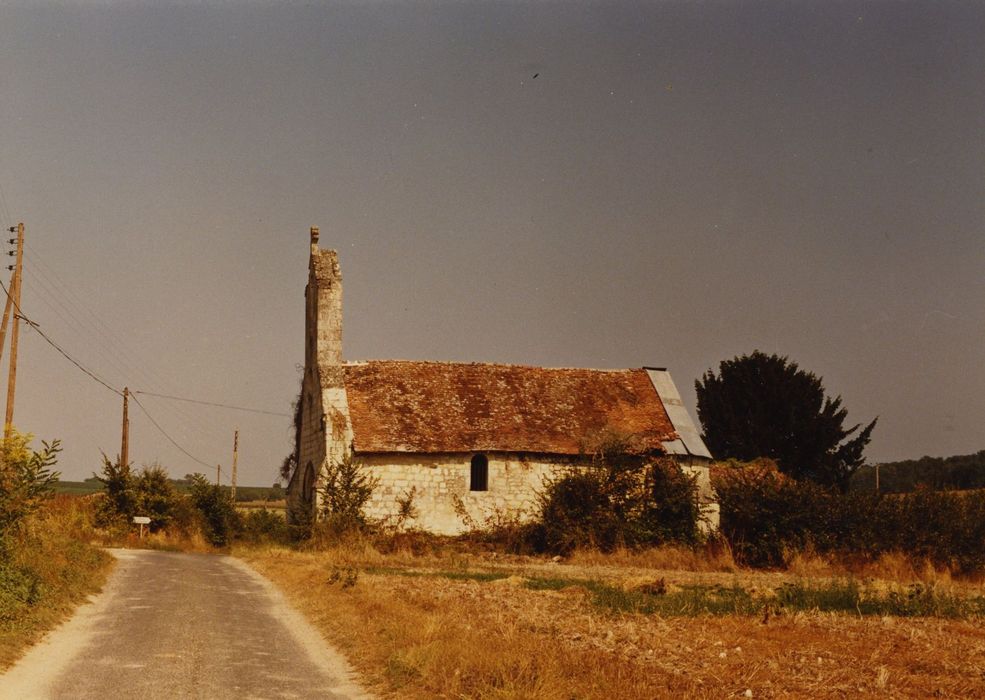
(46,569)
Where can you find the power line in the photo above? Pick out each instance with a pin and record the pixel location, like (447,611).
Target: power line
(126,363)
(165,434)
(68,357)
(211,403)
(117,348)
(54,294)
(55,345)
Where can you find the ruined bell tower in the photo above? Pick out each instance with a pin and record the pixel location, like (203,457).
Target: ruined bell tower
(323,296)
(325,433)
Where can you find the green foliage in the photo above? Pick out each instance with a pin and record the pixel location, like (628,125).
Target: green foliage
(767,517)
(19,589)
(154,496)
(44,568)
(301,521)
(290,463)
(262,526)
(671,510)
(345,490)
(26,484)
(150,492)
(119,506)
(766,406)
(406,508)
(621,498)
(26,478)
(220,521)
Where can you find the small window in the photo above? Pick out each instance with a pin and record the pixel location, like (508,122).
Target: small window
(479,480)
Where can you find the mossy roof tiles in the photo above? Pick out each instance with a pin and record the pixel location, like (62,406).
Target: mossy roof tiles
(439,407)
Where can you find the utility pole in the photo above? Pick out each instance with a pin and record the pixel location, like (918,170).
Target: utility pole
(218,471)
(10,299)
(125,446)
(877,477)
(235,454)
(16,291)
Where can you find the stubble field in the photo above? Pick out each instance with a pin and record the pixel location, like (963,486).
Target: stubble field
(488,626)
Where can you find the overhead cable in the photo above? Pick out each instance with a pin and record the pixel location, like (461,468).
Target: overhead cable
(55,345)
(165,434)
(211,403)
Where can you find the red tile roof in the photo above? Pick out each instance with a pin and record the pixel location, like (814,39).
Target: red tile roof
(399,406)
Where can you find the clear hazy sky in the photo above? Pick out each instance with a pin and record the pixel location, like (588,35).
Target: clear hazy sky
(609,184)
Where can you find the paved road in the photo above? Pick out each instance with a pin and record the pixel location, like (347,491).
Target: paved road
(174,625)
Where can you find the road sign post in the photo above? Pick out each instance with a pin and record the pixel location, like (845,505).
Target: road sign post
(141,520)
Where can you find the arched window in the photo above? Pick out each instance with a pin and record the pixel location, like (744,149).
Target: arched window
(308,483)
(479,478)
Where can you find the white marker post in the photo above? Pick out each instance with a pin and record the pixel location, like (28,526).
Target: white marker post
(141,520)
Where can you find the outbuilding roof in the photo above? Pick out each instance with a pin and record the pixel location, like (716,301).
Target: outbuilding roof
(440,407)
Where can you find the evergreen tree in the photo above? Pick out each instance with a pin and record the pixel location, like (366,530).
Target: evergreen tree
(766,406)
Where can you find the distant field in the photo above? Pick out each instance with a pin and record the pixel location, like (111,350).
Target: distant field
(77,488)
(280,505)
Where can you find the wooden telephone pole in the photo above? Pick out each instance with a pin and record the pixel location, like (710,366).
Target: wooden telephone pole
(15,293)
(10,299)
(218,471)
(235,454)
(125,444)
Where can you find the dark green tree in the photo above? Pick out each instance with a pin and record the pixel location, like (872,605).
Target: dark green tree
(762,405)
(155,496)
(118,507)
(219,517)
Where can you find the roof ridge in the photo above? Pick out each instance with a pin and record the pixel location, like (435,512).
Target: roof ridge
(454,363)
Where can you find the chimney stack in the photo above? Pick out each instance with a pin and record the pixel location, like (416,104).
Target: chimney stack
(314,235)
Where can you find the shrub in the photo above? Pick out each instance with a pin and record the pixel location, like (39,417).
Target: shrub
(26,478)
(264,526)
(154,496)
(220,521)
(671,512)
(116,511)
(622,498)
(300,520)
(344,492)
(577,511)
(767,518)
(43,564)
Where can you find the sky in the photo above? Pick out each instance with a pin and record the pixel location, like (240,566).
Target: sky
(608,184)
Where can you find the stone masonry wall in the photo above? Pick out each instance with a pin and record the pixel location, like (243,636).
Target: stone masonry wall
(442,481)
(706,495)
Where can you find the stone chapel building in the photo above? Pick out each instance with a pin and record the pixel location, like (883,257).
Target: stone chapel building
(472,437)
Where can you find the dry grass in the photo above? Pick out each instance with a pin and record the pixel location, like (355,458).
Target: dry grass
(279,506)
(63,570)
(471,626)
(711,558)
